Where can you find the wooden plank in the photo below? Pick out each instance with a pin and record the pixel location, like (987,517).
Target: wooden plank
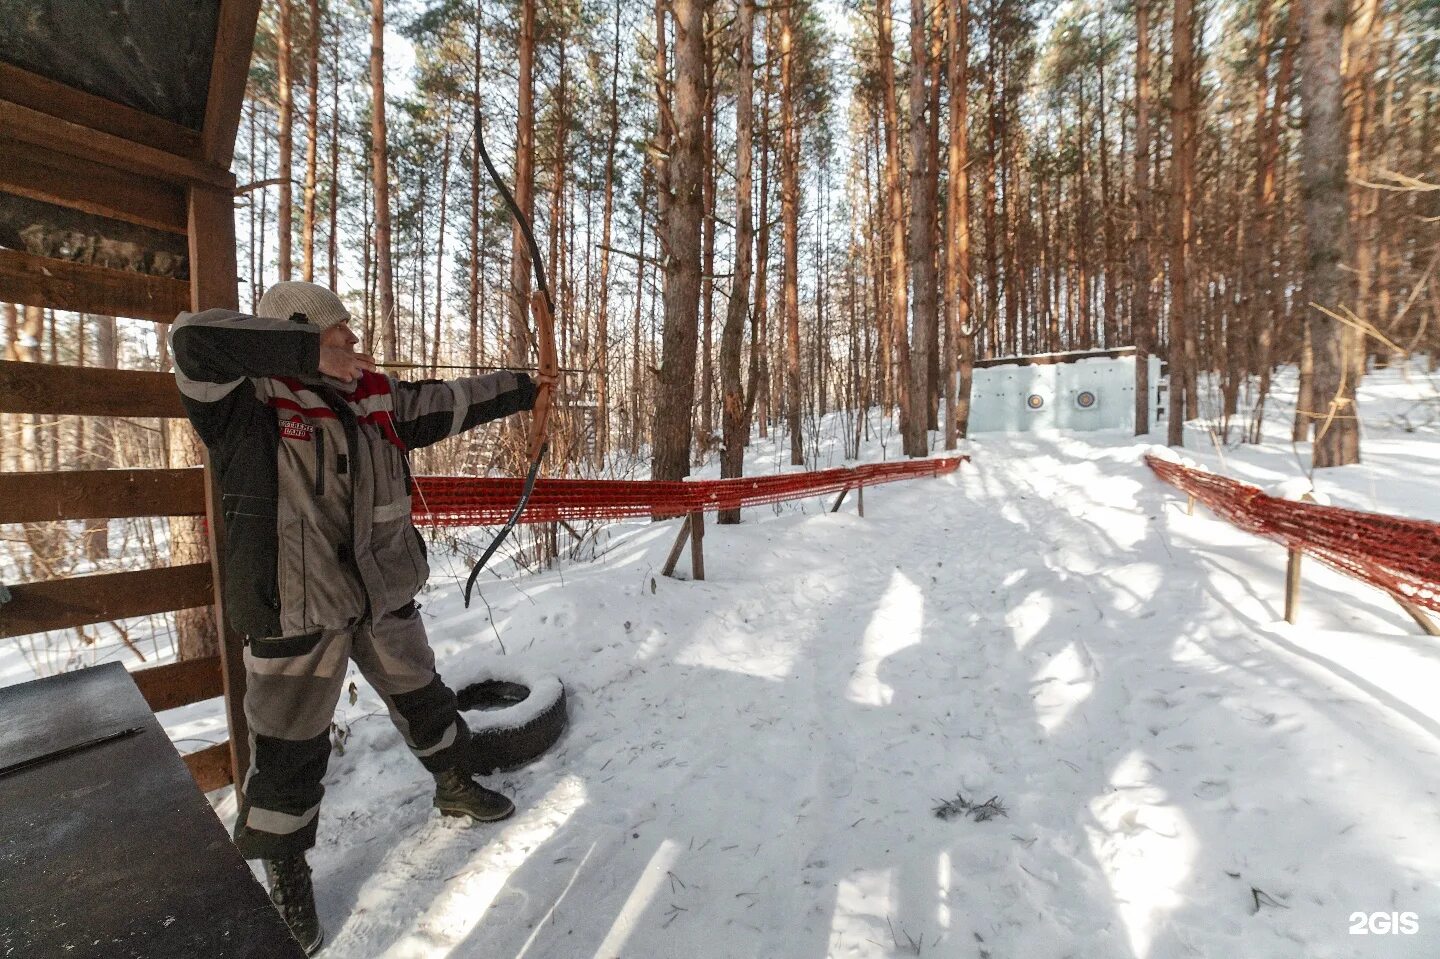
(70,390)
(42,129)
(61,285)
(210,767)
(40,173)
(179,684)
(47,96)
(229,70)
(101,494)
(83,600)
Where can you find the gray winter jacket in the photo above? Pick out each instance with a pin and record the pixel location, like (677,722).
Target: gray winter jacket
(314,473)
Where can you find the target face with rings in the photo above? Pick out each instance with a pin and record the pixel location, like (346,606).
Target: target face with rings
(1035,401)
(1085,400)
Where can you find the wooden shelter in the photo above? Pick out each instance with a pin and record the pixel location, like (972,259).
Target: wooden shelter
(117,131)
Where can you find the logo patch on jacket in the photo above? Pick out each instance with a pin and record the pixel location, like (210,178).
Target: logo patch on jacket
(297,429)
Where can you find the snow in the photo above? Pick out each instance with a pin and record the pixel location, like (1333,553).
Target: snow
(544,690)
(753,761)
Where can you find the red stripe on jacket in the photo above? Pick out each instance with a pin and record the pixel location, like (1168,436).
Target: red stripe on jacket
(370,384)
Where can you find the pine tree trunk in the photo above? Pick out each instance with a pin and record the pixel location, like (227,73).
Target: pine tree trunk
(636,394)
(902,376)
(1110,322)
(922,238)
(476,172)
(312,134)
(380,177)
(332,236)
(790,215)
(1182,112)
(734,407)
(100,447)
(1142,322)
(252,255)
(523,189)
(1323,187)
(285,84)
(602,384)
(440,247)
(993,341)
(760,342)
(959,332)
(684,210)
(939,247)
(707,267)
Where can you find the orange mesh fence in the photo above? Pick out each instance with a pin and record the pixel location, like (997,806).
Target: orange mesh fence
(471,501)
(1400,556)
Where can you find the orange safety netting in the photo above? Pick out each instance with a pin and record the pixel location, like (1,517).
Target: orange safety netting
(1400,556)
(471,501)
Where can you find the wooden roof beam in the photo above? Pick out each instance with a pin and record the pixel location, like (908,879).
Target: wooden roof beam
(42,129)
(97,113)
(229,69)
(39,173)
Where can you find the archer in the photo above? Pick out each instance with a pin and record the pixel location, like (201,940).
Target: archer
(322,561)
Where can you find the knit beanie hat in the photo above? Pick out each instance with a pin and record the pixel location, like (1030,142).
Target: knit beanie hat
(303,303)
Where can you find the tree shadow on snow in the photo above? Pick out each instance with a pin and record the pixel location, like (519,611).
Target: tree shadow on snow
(743,812)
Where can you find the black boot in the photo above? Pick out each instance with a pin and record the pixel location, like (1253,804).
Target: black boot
(456,794)
(293,894)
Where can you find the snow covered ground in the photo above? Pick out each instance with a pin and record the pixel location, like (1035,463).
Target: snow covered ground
(754,761)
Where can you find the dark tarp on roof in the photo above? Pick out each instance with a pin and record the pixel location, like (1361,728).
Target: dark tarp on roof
(153,55)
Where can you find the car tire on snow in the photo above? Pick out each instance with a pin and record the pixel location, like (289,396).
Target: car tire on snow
(513,719)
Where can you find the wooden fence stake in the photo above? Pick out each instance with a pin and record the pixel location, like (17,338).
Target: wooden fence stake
(680,539)
(1292,575)
(840,499)
(1292,587)
(1190,505)
(861,493)
(1419,615)
(697,544)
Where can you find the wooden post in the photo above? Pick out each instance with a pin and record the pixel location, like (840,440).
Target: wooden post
(1292,587)
(1292,576)
(232,645)
(1422,619)
(697,544)
(840,499)
(692,529)
(681,537)
(1190,504)
(861,493)
(212,284)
